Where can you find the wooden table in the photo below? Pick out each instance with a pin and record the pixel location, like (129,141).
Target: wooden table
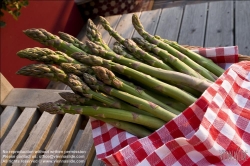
(23,127)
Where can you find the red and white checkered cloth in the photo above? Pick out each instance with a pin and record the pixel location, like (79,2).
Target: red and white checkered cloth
(215,130)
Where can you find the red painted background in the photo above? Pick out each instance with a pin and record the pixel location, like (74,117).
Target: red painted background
(54,16)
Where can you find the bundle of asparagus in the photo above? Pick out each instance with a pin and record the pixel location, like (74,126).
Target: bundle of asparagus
(137,86)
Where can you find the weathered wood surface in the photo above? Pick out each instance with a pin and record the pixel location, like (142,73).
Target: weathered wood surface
(84,143)
(169,23)
(38,137)
(193,25)
(7,120)
(220,24)
(242,26)
(61,139)
(5,87)
(23,97)
(18,133)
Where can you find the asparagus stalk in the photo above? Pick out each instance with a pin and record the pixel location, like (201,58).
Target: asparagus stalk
(110,30)
(95,36)
(205,62)
(119,49)
(75,83)
(71,39)
(48,39)
(43,71)
(145,79)
(76,99)
(166,100)
(139,28)
(77,69)
(102,112)
(167,57)
(124,86)
(133,48)
(127,87)
(166,75)
(141,54)
(109,78)
(46,55)
(140,103)
(131,128)
(55,57)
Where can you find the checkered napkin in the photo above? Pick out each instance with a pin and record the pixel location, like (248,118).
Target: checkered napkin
(215,130)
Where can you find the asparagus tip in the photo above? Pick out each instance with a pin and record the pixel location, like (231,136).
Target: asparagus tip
(51,107)
(104,74)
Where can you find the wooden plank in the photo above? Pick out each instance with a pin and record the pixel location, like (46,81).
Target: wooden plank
(175,3)
(113,21)
(56,85)
(61,140)
(97,162)
(5,88)
(125,27)
(220,24)
(192,30)
(149,20)
(84,144)
(1,109)
(32,97)
(169,23)
(38,138)
(7,119)
(18,133)
(242,26)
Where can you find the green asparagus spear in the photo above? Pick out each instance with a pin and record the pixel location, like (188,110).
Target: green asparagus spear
(48,39)
(110,30)
(71,39)
(43,71)
(119,49)
(75,83)
(109,78)
(77,69)
(76,99)
(205,62)
(95,36)
(103,112)
(166,75)
(167,57)
(123,85)
(132,128)
(46,55)
(133,48)
(149,81)
(142,104)
(141,54)
(167,100)
(139,28)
